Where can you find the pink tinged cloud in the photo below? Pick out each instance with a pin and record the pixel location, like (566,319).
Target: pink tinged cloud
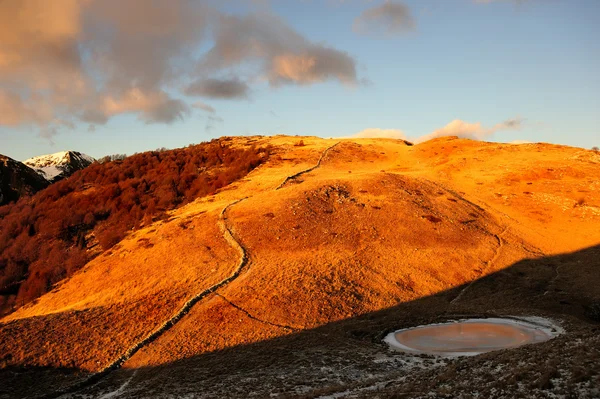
(279,53)
(70,61)
(475,131)
(457,127)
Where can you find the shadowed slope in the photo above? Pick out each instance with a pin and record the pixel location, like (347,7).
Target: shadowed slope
(349,355)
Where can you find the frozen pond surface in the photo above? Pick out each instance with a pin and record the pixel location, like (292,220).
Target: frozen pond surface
(473,336)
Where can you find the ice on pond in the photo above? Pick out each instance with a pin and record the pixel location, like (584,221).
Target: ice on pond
(473,336)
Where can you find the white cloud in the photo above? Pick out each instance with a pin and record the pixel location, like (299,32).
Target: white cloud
(457,127)
(475,131)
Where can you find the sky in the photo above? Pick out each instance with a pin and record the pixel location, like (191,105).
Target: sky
(125,76)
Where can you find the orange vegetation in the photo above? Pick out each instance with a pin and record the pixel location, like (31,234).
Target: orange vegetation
(52,235)
(377,223)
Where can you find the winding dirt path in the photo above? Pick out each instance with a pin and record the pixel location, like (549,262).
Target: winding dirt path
(167,325)
(296,175)
(120,390)
(251,316)
(489,264)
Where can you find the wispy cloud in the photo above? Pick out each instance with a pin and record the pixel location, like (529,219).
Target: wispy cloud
(219,88)
(388,18)
(211,122)
(204,107)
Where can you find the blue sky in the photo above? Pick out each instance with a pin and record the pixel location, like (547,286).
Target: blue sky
(536,63)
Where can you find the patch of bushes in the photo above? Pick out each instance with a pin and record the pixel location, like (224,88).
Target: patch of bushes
(45,238)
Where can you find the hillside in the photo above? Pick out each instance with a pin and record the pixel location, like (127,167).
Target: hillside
(50,236)
(17,179)
(285,281)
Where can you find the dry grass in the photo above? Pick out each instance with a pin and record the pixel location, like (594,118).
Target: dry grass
(407,223)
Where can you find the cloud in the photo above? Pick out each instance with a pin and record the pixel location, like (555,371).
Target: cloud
(16,112)
(65,62)
(315,64)
(278,53)
(219,88)
(212,119)
(388,18)
(69,61)
(204,107)
(211,122)
(380,133)
(474,131)
(151,107)
(457,127)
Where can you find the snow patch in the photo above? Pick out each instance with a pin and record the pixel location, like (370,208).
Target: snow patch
(52,166)
(46,160)
(49,172)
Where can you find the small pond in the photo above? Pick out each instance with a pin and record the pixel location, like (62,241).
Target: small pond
(473,336)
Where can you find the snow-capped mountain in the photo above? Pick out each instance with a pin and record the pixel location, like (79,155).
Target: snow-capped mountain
(54,167)
(17,179)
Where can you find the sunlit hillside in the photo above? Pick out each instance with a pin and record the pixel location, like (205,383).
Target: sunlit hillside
(325,240)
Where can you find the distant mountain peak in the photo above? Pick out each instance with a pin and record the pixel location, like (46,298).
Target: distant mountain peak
(17,179)
(57,166)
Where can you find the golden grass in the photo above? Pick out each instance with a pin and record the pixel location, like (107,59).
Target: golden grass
(378,223)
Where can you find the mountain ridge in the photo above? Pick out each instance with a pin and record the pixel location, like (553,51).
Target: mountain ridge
(18,179)
(59,165)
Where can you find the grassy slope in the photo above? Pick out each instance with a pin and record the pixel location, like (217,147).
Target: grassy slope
(378,224)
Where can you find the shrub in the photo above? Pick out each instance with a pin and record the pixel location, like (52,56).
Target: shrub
(109,238)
